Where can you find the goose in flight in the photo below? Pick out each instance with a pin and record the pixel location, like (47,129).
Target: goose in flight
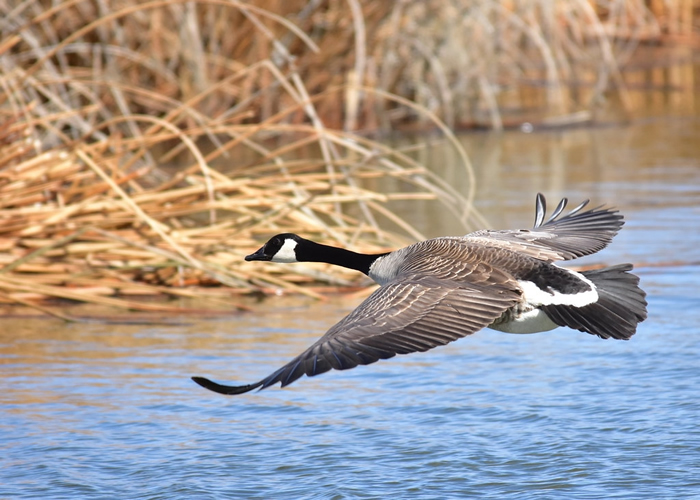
(443,289)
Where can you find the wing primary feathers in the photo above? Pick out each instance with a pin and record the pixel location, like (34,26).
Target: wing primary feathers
(339,362)
(225,389)
(292,375)
(557,237)
(583,204)
(540,209)
(557,211)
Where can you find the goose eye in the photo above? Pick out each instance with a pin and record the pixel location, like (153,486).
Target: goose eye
(276,242)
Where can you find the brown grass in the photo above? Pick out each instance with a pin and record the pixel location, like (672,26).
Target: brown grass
(75,224)
(146,147)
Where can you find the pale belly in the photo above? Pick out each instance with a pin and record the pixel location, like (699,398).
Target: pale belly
(530,322)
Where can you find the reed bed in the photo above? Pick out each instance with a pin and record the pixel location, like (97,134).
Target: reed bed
(146,147)
(76,224)
(470,62)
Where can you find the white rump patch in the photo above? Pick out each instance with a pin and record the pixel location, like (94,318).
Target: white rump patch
(536,297)
(286,252)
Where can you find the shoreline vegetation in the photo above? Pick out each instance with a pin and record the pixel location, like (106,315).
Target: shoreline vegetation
(146,147)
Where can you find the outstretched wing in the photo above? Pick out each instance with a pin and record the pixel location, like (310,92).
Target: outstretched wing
(574,235)
(399,318)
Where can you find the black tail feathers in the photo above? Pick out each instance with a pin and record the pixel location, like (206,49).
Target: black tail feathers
(620,306)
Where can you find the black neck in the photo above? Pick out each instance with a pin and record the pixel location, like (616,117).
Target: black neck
(315,252)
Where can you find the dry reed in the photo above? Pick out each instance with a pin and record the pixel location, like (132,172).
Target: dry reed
(119,179)
(145,147)
(75,224)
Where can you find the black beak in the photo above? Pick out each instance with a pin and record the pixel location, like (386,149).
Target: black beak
(259,255)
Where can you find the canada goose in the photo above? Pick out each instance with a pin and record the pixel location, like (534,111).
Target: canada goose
(442,289)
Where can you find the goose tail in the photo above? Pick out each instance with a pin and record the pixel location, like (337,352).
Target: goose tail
(621,305)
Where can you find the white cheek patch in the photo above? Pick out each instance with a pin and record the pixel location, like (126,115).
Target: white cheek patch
(286,252)
(535,296)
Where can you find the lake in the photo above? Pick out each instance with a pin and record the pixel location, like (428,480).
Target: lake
(104,411)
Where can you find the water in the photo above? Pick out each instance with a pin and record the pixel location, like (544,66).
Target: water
(104,411)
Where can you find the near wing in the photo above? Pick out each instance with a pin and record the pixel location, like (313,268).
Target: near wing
(399,318)
(574,235)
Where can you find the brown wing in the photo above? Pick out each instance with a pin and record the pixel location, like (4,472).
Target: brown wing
(399,318)
(574,235)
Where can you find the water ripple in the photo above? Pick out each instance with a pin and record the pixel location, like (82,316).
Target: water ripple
(102,412)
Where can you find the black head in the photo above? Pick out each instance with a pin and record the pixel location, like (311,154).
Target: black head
(279,248)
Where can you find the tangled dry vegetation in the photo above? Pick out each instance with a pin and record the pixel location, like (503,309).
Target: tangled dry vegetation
(145,147)
(134,161)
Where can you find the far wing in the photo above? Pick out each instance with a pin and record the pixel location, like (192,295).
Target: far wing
(574,235)
(398,318)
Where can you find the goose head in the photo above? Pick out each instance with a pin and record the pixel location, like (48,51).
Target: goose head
(279,248)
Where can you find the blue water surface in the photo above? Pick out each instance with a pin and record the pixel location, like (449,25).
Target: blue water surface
(108,411)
